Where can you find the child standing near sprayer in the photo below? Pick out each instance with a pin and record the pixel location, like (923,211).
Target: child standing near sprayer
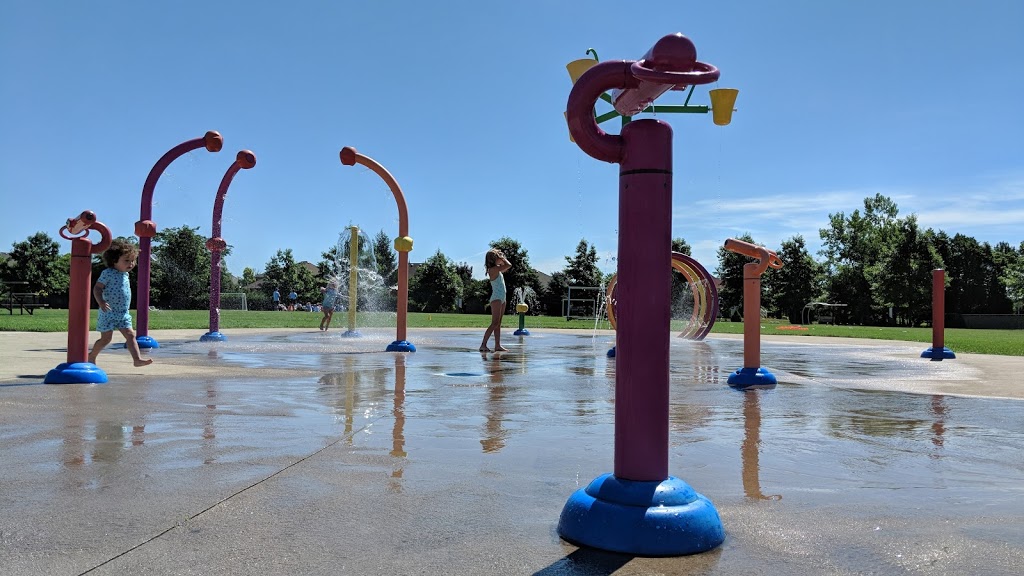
(495,263)
(330,296)
(113,295)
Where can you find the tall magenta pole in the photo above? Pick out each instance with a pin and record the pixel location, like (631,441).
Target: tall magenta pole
(244,160)
(640,509)
(145,228)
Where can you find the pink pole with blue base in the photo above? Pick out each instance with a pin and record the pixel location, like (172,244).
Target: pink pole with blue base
(244,160)
(145,228)
(639,509)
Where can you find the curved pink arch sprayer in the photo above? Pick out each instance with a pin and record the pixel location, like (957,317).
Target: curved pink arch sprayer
(145,228)
(403,243)
(244,160)
(640,509)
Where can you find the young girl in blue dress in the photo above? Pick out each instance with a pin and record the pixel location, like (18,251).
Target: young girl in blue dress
(330,298)
(113,295)
(495,263)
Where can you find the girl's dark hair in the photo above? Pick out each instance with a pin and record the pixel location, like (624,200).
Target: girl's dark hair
(117,249)
(491,259)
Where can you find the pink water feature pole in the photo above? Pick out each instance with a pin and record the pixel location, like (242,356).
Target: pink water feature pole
(640,509)
(145,228)
(244,160)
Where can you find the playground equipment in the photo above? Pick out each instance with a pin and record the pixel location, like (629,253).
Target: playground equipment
(78,369)
(244,160)
(145,228)
(640,509)
(938,351)
(353,281)
(702,287)
(752,374)
(403,244)
(520,295)
(627,103)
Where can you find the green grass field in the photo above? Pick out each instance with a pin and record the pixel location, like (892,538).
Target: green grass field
(1000,342)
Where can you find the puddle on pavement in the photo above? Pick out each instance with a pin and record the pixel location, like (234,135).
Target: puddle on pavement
(826,430)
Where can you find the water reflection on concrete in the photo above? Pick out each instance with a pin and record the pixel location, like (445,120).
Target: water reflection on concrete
(836,448)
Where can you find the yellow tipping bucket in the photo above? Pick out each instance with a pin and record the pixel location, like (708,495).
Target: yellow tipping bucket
(722,101)
(576,68)
(566,114)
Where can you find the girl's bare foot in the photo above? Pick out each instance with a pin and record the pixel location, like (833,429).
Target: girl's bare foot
(500,349)
(485,349)
(92,359)
(143,362)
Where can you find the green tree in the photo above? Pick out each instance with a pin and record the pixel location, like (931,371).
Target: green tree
(282,273)
(997,299)
(551,299)
(36,260)
(248,276)
(60,279)
(851,245)
(1013,279)
(730,271)
(965,268)
(581,268)
(682,246)
(435,286)
(465,274)
(180,277)
(387,269)
(798,282)
(386,257)
(901,277)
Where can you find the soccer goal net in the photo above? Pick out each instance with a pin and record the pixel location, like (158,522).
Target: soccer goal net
(233,301)
(583,302)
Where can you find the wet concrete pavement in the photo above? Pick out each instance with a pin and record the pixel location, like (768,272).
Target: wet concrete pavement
(300,452)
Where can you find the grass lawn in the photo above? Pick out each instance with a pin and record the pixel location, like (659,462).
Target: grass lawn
(1001,342)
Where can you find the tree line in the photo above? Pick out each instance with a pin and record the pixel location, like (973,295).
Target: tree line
(875,262)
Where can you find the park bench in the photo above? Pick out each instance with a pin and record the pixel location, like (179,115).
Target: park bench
(23,301)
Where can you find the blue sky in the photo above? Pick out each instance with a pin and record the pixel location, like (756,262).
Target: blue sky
(462,101)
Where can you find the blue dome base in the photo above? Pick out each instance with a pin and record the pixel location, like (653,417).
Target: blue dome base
(666,518)
(523,332)
(213,337)
(938,354)
(752,378)
(400,346)
(145,342)
(611,353)
(351,334)
(76,373)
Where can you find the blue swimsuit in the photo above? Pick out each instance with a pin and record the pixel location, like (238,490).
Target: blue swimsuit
(329,296)
(498,288)
(118,293)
